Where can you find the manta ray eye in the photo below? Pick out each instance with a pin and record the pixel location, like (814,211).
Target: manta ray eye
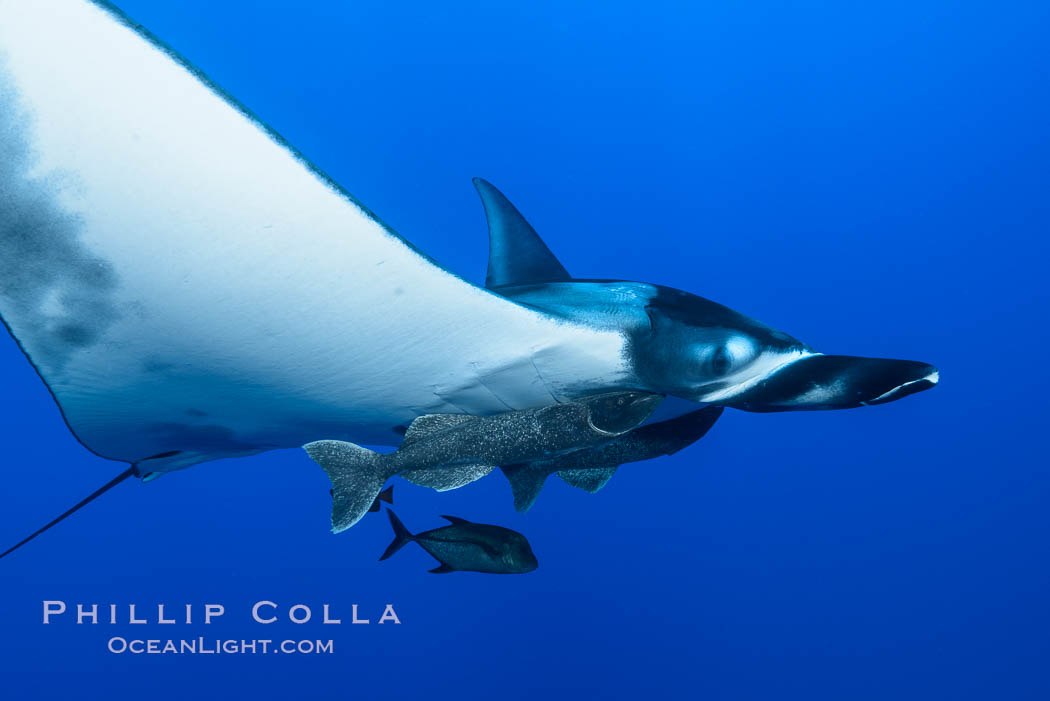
(730,356)
(721,362)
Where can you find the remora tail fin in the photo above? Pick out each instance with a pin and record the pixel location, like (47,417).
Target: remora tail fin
(357,478)
(517,254)
(401,535)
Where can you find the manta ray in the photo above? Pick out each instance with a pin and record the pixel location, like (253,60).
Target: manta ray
(190,287)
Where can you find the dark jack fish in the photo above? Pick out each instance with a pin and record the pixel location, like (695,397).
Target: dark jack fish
(445,451)
(386,495)
(468,547)
(591,468)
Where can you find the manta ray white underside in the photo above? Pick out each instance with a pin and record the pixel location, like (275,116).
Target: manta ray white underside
(184,281)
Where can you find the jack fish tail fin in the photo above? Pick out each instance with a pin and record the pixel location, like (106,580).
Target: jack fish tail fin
(386,495)
(401,535)
(357,479)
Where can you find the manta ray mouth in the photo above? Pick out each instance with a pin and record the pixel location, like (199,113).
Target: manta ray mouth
(905,389)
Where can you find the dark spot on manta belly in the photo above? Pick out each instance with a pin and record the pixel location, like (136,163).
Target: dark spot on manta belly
(75,334)
(56,296)
(156,365)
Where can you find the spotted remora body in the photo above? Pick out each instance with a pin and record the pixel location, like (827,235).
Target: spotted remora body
(448,451)
(464,546)
(591,468)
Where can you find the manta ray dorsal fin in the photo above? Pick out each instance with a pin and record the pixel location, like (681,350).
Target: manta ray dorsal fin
(517,254)
(430,424)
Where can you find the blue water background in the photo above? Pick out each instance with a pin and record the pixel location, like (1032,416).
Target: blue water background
(871,178)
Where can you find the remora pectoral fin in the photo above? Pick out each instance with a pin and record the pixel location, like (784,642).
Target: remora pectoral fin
(590,480)
(517,254)
(525,485)
(443,479)
(836,382)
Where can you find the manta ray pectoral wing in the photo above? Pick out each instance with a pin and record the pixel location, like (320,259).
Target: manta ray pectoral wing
(188,284)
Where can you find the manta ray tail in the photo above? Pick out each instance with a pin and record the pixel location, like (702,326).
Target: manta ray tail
(402,537)
(130,472)
(357,479)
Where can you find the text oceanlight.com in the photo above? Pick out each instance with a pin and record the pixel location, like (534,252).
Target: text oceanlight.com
(202,646)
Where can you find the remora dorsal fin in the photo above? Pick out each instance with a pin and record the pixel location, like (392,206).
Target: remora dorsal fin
(525,484)
(591,479)
(456,520)
(432,423)
(517,254)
